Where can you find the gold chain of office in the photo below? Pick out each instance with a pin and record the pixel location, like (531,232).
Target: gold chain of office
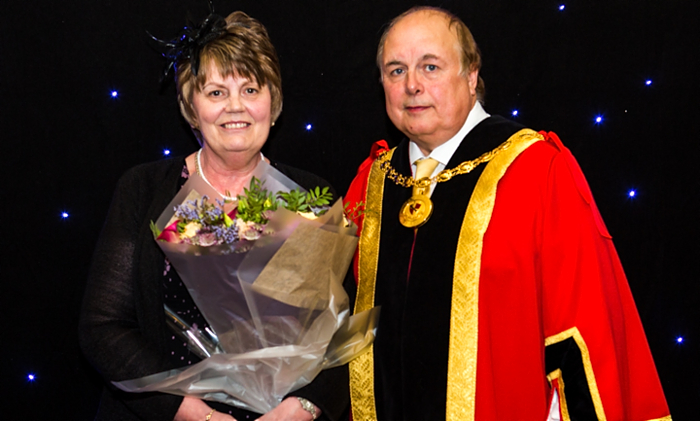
(444,175)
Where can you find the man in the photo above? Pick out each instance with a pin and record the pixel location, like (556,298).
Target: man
(502,295)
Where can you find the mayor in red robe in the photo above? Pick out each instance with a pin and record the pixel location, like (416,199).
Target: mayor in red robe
(509,302)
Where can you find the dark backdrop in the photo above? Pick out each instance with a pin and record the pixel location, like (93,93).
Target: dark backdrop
(69,140)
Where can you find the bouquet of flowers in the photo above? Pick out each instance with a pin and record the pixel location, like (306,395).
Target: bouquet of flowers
(267,275)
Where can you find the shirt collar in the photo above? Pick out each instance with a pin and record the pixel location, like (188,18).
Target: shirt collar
(444,152)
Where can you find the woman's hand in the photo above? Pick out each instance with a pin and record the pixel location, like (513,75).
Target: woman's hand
(289,410)
(193,409)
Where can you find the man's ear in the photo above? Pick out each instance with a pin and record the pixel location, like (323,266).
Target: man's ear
(473,78)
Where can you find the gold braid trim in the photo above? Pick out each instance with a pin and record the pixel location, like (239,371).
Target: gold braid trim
(588,367)
(557,374)
(464,317)
(362,367)
(563,408)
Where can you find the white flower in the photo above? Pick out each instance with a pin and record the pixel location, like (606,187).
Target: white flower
(248,230)
(308,215)
(207,239)
(251,234)
(191,230)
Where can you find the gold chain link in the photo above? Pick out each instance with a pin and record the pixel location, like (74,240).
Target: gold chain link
(444,175)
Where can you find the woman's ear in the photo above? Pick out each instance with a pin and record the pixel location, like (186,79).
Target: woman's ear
(191,119)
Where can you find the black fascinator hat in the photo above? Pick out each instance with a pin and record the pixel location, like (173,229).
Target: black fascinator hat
(189,43)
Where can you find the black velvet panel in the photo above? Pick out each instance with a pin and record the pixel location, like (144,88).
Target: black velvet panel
(411,349)
(566,356)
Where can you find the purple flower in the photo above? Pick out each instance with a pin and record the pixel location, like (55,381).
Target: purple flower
(187,211)
(227,235)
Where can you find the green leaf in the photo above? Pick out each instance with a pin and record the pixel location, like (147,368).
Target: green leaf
(154,229)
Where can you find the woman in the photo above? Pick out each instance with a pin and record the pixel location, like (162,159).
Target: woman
(229,88)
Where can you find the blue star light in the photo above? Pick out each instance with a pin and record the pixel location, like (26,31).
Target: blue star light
(648,82)
(114,94)
(31,377)
(598,119)
(515,113)
(679,339)
(562,7)
(166,152)
(632,193)
(309,127)
(64,215)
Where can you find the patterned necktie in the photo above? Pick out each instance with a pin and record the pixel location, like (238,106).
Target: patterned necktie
(424,168)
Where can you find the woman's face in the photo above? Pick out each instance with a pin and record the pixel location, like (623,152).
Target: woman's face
(233,113)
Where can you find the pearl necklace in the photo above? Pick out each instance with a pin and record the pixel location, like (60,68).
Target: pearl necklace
(200,172)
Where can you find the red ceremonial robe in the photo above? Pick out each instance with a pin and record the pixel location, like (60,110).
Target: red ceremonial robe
(483,325)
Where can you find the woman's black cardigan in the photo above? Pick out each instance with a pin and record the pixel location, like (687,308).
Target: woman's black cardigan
(122,326)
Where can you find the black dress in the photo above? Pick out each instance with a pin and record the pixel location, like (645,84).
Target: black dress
(122,328)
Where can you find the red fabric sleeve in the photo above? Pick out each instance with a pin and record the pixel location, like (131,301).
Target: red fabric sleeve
(358,188)
(355,198)
(548,266)
(585,287)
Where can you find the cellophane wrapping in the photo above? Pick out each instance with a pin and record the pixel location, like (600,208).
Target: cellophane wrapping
(277,305)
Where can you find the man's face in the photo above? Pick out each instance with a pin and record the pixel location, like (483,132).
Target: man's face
(427,96)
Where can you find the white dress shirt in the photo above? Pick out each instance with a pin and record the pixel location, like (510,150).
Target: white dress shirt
(443,153)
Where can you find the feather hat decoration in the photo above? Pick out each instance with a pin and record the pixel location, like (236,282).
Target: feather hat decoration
(189,43)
